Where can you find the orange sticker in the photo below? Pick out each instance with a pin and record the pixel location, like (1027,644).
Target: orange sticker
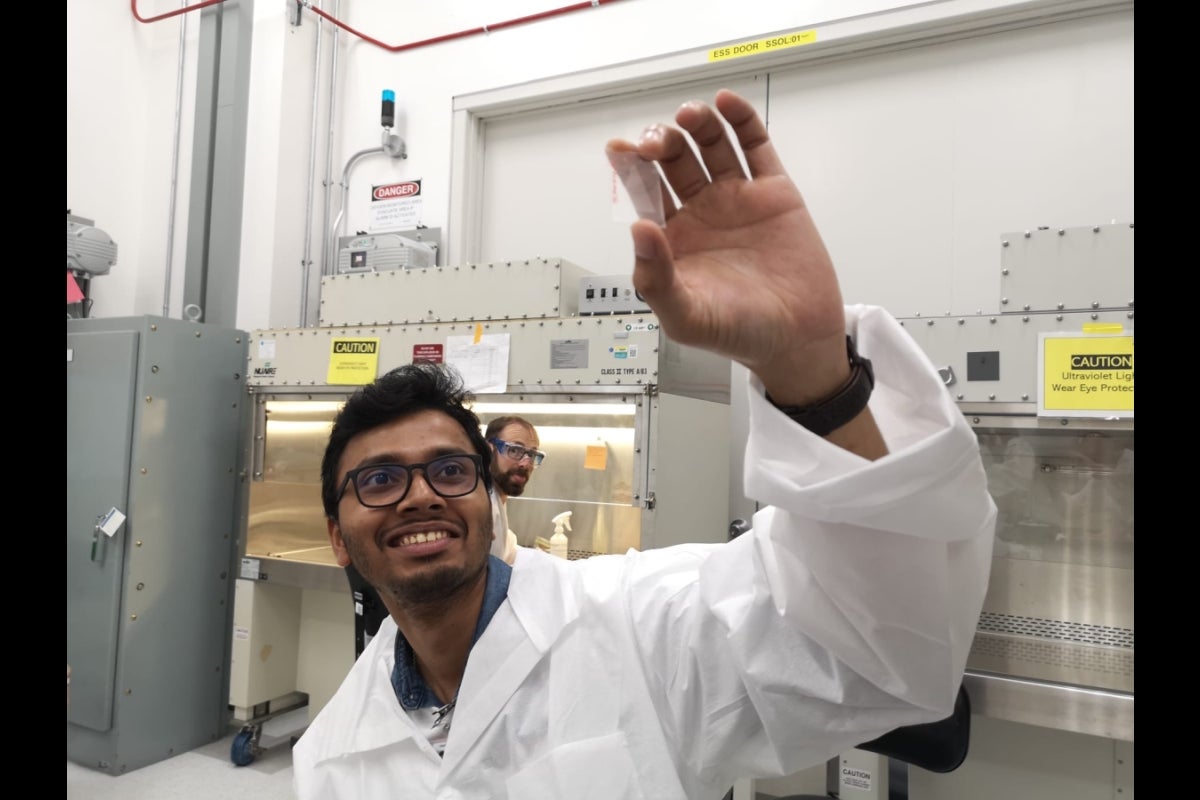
(596,458)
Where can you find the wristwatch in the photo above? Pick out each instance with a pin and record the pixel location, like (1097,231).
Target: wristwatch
(833,412)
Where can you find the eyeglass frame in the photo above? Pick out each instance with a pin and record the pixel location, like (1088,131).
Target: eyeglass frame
(502,447)
(352,474)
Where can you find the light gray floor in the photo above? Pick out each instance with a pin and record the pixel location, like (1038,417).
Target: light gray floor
(206,772)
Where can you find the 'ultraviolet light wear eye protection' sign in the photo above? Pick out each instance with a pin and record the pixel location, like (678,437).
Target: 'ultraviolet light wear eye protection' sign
(1085,375)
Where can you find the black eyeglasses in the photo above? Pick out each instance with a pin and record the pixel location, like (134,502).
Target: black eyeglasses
(516,452)
(379,485)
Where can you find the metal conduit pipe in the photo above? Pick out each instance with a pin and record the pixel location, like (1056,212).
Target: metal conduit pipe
(306,259)
(331,249)
(327,267)
(166,306)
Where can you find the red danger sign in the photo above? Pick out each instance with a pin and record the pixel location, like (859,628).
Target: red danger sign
(392,191)
(427,352)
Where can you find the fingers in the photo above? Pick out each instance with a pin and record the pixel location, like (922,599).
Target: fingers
(670,148)
(708,132)
(751,133)
(700,151)
(654,265)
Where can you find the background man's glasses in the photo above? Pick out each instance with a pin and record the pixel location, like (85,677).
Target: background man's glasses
(379,485)
(516,452)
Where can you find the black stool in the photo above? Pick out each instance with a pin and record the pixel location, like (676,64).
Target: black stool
(369,610)
(936,746)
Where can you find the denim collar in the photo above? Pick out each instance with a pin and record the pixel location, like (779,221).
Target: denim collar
(410,687)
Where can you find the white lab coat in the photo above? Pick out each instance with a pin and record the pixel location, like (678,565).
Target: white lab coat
(504,545)
(848,610)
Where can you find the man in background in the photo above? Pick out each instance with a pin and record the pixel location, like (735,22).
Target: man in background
(515,455)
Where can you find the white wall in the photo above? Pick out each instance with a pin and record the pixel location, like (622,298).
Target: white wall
(121,103)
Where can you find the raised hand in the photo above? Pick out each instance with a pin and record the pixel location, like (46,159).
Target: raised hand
(739,267)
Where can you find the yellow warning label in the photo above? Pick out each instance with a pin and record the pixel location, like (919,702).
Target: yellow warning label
(353,362)
(1086,376)
(759,47)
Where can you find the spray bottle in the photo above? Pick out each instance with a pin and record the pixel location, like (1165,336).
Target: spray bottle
(558,542)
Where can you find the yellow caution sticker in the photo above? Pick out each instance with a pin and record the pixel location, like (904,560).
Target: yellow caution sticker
(352,362)
(1086,376)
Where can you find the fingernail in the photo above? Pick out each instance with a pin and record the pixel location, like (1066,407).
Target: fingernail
(652,133)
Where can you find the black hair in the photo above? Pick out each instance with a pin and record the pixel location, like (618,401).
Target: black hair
(403,391)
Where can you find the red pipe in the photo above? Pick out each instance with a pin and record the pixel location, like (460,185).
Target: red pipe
(396,48)
(175,13)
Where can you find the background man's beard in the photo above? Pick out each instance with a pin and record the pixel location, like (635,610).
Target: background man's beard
(509,486)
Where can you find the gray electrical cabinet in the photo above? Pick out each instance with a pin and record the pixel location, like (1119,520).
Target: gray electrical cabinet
(153,443)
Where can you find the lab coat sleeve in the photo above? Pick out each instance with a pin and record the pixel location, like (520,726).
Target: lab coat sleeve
(850,607)
(886,561)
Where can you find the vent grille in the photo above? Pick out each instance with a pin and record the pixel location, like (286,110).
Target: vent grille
(1077,632)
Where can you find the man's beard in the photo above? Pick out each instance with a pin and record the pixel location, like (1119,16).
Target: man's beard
(430,590)
(510,487)
(434,587)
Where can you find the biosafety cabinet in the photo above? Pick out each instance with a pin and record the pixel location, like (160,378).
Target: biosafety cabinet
(1045,379)
(634,425)
(1047,384)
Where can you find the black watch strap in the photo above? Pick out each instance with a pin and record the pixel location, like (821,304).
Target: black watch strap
(833,412)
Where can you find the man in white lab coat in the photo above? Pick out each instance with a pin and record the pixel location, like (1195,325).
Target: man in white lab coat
(515,455)
(847,611)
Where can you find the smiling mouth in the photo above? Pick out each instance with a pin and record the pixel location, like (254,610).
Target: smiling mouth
(420,538)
